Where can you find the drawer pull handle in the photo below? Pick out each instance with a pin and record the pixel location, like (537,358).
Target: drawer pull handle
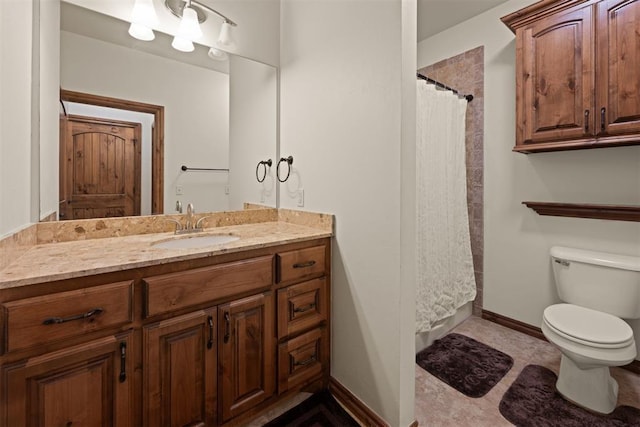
(227,327)
(304,264)
(210,342)
(87,315)
(304,308)
(603,119)
(123,362)
(306,362)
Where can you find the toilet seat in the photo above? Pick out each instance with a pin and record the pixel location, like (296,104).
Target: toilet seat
(588,327)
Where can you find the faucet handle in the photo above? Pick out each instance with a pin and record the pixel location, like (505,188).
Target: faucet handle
(199,221)
(178,225)
(190,209)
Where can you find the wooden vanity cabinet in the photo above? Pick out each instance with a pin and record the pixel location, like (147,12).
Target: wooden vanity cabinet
(85,385)
(577,74)
(246,351)
(180,386)
(209,342)
(303,316)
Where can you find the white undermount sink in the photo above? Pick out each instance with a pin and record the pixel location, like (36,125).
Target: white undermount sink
(195,242)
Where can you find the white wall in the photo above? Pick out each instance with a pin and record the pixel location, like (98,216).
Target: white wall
(196,102)
(16,26)
(518,280)
(346,120)
(46,194)
(253,117)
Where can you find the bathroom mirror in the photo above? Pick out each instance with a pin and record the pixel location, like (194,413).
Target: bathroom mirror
(208,106)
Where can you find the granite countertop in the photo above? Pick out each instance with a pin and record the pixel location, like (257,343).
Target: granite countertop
(64,260)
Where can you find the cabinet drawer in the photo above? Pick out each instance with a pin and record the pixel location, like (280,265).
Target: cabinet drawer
(301,306)
(302,358)
(301,263)
(174,291)
(32,321)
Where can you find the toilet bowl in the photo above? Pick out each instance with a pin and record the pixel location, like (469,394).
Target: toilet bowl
(598,290)
(590,342)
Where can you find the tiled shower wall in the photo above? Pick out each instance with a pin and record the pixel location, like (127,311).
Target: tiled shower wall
(465,73)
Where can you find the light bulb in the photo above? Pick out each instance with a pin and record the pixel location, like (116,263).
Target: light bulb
(189,26)
(217,54)
(182,44)
(141,32)
(144,13)
(225,40)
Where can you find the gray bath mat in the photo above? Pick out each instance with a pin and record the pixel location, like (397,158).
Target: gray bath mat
(533,401)
(467,365)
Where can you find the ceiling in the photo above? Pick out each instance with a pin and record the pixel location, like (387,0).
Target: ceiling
(435,16)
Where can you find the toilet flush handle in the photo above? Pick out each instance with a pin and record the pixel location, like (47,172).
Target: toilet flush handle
(562,262)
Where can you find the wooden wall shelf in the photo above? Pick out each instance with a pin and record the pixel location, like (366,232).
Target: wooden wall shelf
(582,210)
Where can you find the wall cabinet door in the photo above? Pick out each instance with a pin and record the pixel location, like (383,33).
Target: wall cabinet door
(555,78)
(246,351)
(84,385)
(618,80)
(180,370)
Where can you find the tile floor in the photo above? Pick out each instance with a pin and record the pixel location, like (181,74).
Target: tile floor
(438,405)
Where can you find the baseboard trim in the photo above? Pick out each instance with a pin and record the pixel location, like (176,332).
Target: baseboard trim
(513,324)
(537,333)
(355,406)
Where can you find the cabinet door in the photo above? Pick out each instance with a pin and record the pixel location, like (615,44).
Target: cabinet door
(246,352)
(180,376)
(618,53)
(555,78)
(84,385)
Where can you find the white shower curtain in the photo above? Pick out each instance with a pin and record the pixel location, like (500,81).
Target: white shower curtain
(445,265)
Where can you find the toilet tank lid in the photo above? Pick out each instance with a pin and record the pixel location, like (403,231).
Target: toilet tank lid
(624,262)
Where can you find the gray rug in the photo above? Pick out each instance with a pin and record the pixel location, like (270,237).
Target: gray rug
(532,401)
(467,365)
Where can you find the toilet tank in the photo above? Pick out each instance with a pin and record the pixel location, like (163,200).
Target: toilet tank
(598,280)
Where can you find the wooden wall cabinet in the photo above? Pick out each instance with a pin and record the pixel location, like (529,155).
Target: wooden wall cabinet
(202,342)
(577,74)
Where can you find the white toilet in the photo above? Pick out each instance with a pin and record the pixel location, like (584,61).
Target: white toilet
(598,290)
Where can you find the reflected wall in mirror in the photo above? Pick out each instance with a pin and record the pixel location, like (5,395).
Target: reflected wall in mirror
(218,115)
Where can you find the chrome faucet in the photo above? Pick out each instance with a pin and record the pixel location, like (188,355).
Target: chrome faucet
(190,223)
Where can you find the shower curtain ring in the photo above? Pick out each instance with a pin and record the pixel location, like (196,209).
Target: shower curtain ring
(289,161)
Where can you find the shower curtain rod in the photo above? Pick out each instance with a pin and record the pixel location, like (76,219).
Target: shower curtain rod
(469,98)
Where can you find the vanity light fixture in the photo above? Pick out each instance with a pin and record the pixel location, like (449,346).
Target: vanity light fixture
(143,18)
(192,13)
